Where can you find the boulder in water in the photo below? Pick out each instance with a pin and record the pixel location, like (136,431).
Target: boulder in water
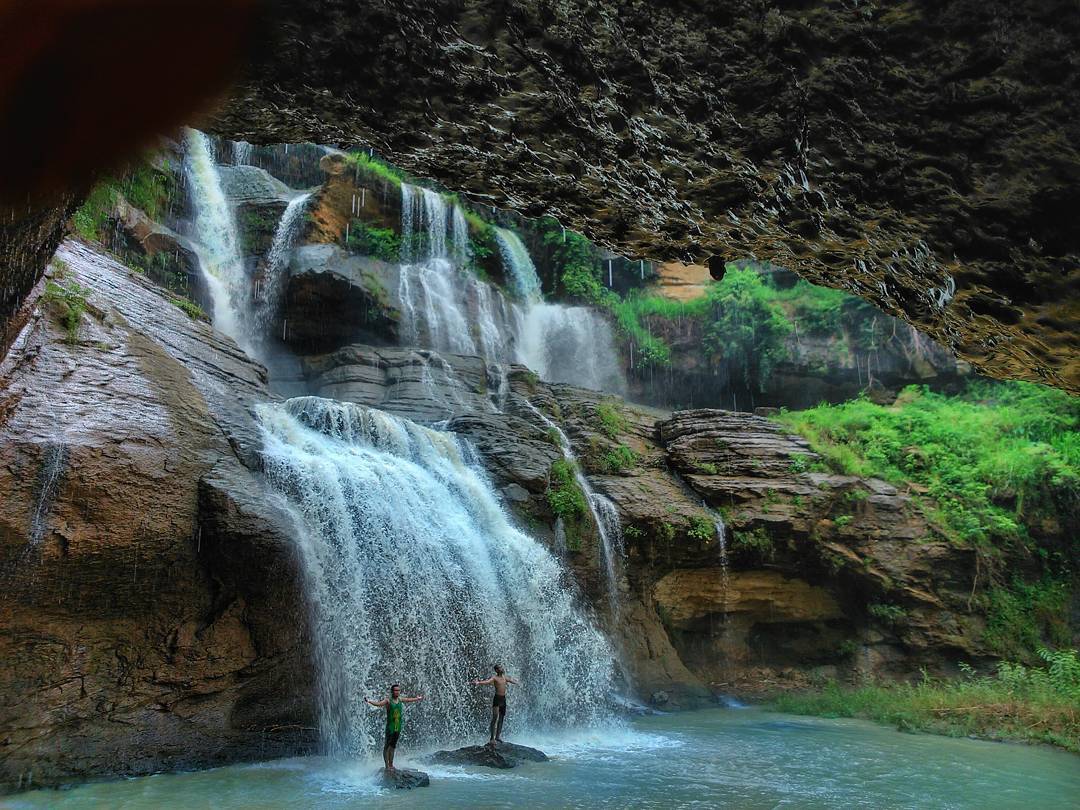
(503,755)
(401,778)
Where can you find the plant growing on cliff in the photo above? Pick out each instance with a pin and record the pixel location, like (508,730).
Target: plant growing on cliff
(994,460)
(701,529)
(610,419)
(887,614)
(368,240)
(143,186)
(370,165)
(68,302)
(567,501)
(754,542)
(191,309)
(1021,615)
(618,460)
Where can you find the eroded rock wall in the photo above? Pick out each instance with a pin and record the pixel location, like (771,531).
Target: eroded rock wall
(153,615)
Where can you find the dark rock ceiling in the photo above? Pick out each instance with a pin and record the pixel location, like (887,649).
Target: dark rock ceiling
(920,154)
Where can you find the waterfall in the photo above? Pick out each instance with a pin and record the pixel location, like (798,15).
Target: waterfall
(611,540)
(602,511)
(460,228)
(571,345)
(277,261)
(241,153)
(721,537)
(519,264)
(218,244)
(417,577)
(433,286)
(445,308)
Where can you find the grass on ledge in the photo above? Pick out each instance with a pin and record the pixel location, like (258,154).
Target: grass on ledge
(1018,703)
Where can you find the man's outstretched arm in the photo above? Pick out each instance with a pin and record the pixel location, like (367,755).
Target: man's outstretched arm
(416,699)
(484,682)
(378,704)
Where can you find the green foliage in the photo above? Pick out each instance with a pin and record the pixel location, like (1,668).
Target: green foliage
(756,542)
(191,309)
(748,329)
(707,467)
(68,302)
(996,460)
(376,168)
(887,614)
(1020,617)
(665,532)
(1016,702)
(579,274)
(610,419)
(367,240)
(702,529)
(618,460)
(89,220)
(143,186)
(848,647)
(842,520)
(567,501)
(564,495)
(632,532)
(799,463)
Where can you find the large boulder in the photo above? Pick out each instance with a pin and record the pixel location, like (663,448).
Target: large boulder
(502,755)
(333,298)
(401,778)
(154,615)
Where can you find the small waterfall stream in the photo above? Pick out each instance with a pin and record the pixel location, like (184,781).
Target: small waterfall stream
(277,260)
(418,578)
(218,244)
(602,511)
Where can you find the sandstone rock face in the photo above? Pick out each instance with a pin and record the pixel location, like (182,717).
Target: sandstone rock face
(922,156)
(153,615)
(333,298)
(860,540)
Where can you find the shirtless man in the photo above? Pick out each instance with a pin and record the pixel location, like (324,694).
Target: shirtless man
(498,705)
(393,721)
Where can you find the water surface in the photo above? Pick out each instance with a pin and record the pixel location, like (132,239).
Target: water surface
(716,758)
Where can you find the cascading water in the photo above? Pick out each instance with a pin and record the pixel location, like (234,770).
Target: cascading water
(218,243)
(601,509)
(444,307)
(571,345)
(241,153)
(277,260)
(519,265)
(418,577)
(434,313)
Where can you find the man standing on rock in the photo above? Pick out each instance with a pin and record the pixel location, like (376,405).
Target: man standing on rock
(393,706)
(498,705)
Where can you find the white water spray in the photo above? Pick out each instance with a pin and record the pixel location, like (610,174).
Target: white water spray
(277,262)
(418,577)
(218,244)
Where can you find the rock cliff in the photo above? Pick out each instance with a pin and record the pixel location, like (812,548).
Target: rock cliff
(153,616)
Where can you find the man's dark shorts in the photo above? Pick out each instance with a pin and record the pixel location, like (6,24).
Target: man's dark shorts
(391,739)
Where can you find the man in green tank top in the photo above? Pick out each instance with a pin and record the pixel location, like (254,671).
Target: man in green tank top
(393,706)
